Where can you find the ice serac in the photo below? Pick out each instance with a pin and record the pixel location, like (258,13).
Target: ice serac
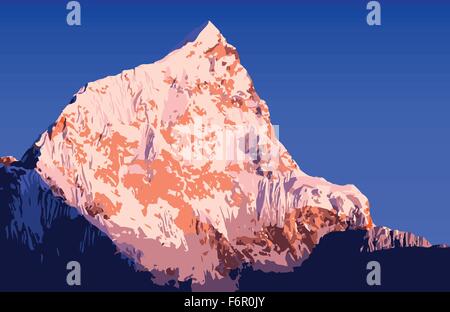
(145,156)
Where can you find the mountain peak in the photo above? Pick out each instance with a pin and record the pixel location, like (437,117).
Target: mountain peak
(178,163)
(207,33)
(209,29)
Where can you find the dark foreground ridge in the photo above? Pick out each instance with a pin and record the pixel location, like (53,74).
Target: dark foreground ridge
(40,234)
(337,264)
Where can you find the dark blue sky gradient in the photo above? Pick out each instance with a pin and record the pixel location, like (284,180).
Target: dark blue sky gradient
(355,104)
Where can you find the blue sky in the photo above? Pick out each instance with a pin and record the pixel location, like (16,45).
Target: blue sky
(355,104)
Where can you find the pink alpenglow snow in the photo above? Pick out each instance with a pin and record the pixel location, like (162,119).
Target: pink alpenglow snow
(146,157)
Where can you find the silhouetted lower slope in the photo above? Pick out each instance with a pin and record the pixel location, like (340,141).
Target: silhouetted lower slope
(337,264)
(40,234)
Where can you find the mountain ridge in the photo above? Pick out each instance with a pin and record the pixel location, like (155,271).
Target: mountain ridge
(143,156)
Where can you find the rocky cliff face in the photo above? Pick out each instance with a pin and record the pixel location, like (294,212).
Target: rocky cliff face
(379,238)
(177,162)
(7,160)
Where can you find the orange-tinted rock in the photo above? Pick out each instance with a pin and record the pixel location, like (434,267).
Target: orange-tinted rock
(7,160)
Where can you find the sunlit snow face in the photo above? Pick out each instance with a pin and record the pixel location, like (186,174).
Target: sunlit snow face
(179,164)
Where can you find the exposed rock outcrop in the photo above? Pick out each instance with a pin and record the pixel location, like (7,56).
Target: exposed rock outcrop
(379,238)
